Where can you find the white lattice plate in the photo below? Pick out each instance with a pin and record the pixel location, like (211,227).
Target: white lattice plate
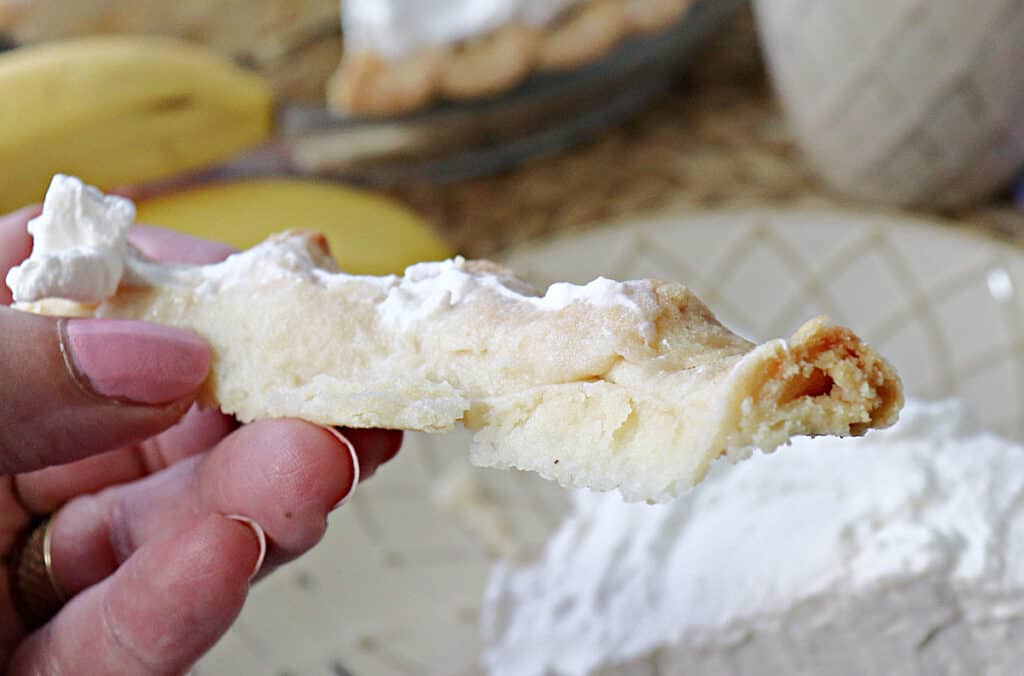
(394,588)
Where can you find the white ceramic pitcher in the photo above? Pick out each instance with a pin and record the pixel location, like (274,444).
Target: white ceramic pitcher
(912,102)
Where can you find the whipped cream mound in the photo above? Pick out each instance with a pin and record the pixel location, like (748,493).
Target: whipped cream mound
(901,552)
(397,28)
(79,245)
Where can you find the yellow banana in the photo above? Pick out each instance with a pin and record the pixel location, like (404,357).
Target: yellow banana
(368,234)
(119,110)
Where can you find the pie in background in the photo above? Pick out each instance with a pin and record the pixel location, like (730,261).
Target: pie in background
(397,56)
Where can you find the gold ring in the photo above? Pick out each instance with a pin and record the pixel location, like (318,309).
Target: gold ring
(34,589)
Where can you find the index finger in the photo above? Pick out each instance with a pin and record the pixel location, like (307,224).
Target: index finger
(57,483)
(176,247)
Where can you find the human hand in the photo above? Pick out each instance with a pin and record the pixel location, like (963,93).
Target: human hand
(166,511)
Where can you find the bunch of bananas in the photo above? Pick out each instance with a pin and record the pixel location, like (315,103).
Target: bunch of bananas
(119,111)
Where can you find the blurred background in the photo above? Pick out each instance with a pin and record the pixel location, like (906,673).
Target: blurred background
(782,157)
(713,104)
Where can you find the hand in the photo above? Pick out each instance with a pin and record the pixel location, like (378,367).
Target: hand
(166,512)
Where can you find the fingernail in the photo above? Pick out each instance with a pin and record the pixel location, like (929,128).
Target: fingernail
(261,537)
(355,466)
(136,361)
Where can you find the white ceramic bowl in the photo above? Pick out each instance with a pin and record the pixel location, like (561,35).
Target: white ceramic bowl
(395,587)
(910,102)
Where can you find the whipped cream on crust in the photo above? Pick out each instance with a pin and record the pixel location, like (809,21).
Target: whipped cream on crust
(81,253)
(397,28)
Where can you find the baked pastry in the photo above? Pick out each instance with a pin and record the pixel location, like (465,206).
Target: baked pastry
(613,385)
(400,55)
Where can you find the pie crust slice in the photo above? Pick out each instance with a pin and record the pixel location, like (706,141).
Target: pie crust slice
(632,386)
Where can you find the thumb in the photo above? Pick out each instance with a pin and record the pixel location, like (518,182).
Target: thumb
(70,388)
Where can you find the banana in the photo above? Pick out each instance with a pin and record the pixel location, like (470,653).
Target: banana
(368,234)
(120,110)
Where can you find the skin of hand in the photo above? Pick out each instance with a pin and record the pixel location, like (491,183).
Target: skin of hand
(167,512)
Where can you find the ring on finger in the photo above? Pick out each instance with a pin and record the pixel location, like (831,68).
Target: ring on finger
(36,594)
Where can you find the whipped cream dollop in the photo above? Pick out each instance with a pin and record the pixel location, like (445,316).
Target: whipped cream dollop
(428,289)
(899,552)
(397,28)
(79,245)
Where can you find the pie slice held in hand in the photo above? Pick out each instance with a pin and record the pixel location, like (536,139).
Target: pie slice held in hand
(630,385)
